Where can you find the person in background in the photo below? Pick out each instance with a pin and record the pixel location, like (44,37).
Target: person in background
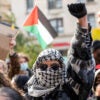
(96,85)
(51,80)
(7,93)
(20,81)
(4,81)
(14,66)
(97,67)
(3,67)
(96,51)
(24,67)
(97,91)
(18,62)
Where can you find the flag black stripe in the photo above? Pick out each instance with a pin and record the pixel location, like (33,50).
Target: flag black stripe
(46,24)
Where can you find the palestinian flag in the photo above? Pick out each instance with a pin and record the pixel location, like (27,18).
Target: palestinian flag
(38,24)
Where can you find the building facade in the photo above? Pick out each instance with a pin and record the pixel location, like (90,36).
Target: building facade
(57,13)
(5,10)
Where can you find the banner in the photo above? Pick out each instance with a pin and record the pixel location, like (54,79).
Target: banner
(96,33)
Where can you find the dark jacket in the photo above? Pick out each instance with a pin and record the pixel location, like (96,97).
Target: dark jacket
(58,94)
(80,71)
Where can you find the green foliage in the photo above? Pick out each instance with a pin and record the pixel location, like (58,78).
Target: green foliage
(9,18)
(27,46)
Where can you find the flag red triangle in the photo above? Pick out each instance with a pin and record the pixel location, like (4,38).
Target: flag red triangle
(32,18)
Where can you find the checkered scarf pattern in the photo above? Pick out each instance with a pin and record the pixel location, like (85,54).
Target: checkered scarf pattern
(44,80)
(50,78)
(48,54)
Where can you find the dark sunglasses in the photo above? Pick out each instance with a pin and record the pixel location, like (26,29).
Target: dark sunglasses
(54,66)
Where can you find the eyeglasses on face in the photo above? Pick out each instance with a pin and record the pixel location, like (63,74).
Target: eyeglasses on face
(44,67)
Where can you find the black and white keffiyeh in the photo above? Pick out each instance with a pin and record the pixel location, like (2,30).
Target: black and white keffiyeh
(43,82)
(48,54)
(50,78)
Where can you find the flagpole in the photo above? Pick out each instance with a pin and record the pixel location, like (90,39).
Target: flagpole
(35,2)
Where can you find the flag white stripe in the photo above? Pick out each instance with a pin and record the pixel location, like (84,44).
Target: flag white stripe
(44,33)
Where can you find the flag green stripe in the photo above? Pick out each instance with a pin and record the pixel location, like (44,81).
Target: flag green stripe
(31,29)
(41,41)
(34,29)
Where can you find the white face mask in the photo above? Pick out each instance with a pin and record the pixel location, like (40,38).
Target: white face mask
(24,66)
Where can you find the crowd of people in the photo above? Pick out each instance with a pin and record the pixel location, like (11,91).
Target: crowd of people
(50,78)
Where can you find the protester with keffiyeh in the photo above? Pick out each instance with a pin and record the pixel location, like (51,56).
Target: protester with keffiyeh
(52,80)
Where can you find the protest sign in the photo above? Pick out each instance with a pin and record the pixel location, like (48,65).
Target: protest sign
(96,33)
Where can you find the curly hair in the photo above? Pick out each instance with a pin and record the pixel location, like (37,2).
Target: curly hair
(4,65)
(4,80)
(14,67)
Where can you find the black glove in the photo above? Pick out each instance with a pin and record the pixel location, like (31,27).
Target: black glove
(78,10)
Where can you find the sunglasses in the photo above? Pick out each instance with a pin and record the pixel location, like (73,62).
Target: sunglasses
(44,67)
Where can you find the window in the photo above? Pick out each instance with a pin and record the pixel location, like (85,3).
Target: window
(83,1)
(52,4)
(91,19)
(90,0)
(29,4)
(57,25)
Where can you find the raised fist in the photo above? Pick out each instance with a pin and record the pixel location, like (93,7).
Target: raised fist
(77,9)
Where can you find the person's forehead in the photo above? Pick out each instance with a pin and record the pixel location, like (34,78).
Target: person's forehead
(21,60)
